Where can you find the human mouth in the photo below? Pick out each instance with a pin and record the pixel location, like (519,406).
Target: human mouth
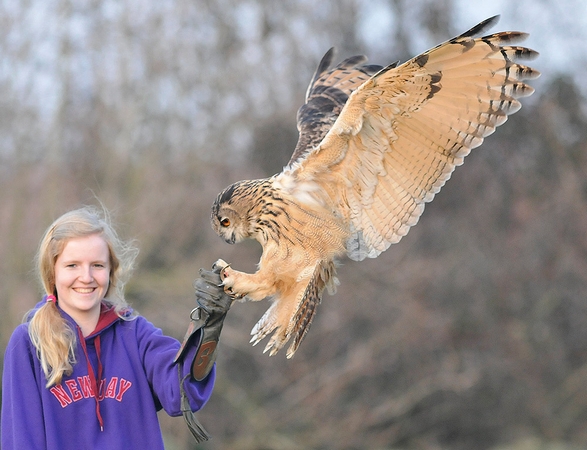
(84,290)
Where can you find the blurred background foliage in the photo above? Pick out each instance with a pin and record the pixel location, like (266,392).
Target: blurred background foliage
(469,333)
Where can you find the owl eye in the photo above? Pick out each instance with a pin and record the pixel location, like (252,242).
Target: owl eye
(225,222)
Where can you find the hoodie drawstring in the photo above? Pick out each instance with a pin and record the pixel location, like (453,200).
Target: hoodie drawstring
(93,380)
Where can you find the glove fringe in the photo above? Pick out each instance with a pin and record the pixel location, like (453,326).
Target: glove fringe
(196,428)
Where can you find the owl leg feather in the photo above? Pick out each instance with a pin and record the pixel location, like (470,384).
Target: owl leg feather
(265,325)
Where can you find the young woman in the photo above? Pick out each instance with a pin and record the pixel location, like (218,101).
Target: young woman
(85,371)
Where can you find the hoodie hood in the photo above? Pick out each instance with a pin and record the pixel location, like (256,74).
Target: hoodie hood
(108,316)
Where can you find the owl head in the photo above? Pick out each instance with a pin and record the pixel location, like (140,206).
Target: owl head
(232,212)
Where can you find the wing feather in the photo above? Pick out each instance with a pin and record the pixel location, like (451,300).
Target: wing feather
(326,96)
(402,132)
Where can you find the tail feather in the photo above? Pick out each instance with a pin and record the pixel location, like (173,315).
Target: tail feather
(324,278)
(306,312)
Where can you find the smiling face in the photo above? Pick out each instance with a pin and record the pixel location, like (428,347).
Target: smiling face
(82,277)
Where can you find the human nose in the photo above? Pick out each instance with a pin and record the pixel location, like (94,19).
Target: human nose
(86,275)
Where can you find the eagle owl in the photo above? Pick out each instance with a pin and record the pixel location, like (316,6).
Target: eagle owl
(375,145)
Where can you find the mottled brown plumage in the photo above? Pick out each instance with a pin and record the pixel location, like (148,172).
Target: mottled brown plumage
(375,145)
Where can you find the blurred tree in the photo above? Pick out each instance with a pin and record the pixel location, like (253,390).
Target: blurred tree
(467,334)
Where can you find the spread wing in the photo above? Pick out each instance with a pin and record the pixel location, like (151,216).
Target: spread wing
(401,133)
(327,94)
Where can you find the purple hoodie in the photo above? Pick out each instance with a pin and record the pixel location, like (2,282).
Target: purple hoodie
(128,362)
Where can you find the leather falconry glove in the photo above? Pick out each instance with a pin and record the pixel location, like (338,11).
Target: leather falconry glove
(206,322)
(204,331)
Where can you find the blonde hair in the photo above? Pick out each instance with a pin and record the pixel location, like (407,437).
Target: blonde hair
(50,333)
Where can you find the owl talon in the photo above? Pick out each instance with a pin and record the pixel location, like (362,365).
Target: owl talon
(223,274)
(228,289)
(223,266)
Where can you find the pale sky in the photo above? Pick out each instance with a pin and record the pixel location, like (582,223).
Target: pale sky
(557,28)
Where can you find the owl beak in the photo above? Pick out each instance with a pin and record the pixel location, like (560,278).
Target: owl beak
(231,239)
